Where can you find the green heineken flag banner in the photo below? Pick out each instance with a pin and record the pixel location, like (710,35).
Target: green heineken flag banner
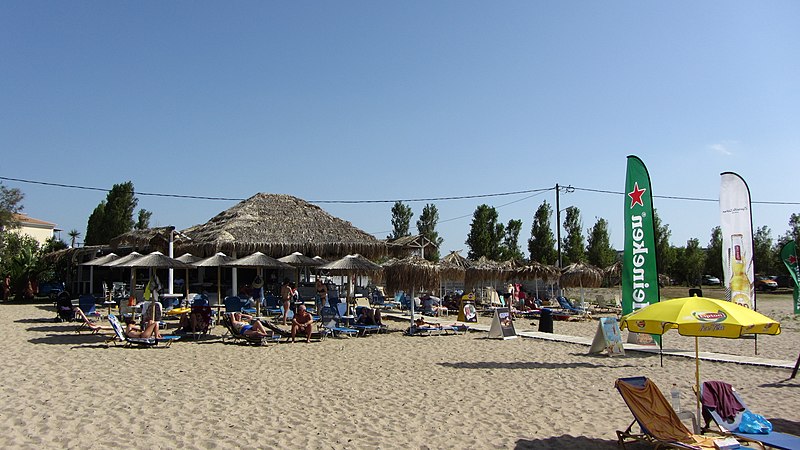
(639,270)
(789,257)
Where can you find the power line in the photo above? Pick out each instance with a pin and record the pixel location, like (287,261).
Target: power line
(411,200)
(198,197)
(693,199)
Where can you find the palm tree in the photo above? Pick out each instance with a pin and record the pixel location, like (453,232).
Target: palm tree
(73,235)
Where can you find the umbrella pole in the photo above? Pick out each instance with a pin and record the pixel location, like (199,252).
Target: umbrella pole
(697,374)
(219,289)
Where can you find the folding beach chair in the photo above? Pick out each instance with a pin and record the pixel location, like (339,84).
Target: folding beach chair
(721,399)
(87,304)
(658,423)
(88,324)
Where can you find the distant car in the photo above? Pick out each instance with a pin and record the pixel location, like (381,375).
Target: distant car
(51,289)
(765,284)
(784,281)
(711,280)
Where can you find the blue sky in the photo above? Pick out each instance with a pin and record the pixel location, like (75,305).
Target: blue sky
(401,100)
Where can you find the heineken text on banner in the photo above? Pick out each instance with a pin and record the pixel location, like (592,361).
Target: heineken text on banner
(789,257)
(737,239)
(639,268)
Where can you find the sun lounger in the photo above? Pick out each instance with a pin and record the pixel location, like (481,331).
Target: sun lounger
(331,326)
(234,335)
(720,398)
(659,425)
(119,334)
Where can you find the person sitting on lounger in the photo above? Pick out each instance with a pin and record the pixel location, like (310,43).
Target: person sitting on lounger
(302,322)
(366,316)
(250,328)
(150,330)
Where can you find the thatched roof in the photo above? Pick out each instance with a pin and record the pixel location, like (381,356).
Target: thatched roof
(277,225)
(258,259)
(216,260)
(410,274)
(189,258)
(352,264)
(149,239)
(102,260)
(155,260)
(537,271)
(484,270)
(298,259)
(124,260)
(453,266)
(74,255)
(581,275)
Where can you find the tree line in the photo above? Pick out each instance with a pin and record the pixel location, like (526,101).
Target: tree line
(682,264)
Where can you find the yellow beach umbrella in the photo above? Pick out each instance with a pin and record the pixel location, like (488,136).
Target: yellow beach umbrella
(699,317)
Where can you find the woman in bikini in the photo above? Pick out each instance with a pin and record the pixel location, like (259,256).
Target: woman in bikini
(251,328)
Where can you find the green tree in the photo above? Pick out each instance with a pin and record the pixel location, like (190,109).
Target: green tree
(426,226)
(485,234)
(20,261)
(599,251)
(573,247)
(113,216)
(665,253)
(691,262)
(401,220)
(542,244)
(510,249)
(143,222)
(10,204)
(714,254)
(763,257)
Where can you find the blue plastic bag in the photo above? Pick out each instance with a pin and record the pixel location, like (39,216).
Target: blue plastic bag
(754,423)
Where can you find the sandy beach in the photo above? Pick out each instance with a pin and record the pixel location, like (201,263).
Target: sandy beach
(66,390)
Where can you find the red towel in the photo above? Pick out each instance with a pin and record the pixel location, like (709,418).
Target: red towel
(719,395)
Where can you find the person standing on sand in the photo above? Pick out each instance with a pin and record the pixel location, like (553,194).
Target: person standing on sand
(286,297)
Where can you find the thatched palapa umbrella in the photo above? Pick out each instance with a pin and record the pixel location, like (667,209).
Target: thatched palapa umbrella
(537,271)
(259,261)
(412,272)
(218,260)
(352,265)
(190,259)
(581,275)
(155,260)
(299,261)
(484,270)
(127,258)
(99,261)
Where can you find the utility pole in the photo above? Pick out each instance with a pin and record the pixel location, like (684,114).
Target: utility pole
(567,189)
(558,226)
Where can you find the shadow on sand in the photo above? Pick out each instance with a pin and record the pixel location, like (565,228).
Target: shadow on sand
(520,365)
(566,441)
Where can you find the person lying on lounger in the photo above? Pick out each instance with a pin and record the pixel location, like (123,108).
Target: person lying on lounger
(150,330)
(250,328)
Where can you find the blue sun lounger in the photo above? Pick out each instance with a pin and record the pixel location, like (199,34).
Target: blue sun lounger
(773,439)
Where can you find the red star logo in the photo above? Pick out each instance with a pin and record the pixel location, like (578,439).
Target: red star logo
(792,259)
(636,195)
